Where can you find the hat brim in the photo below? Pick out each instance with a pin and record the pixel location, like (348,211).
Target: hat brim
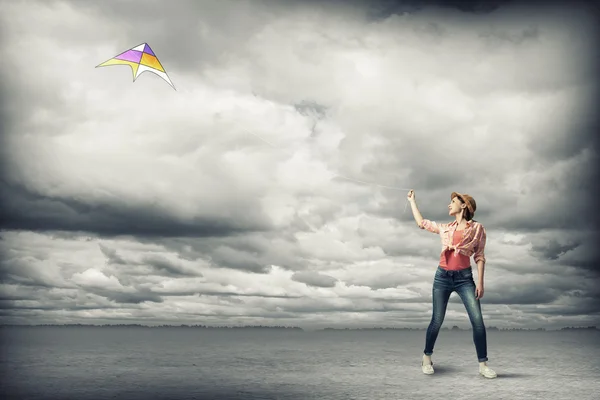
(460,196)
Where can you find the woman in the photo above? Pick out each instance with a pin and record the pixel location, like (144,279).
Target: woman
(461,239)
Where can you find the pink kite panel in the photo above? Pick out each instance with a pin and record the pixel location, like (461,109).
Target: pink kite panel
(130,55)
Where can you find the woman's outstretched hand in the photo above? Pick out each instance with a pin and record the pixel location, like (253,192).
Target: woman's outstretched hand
(411,195)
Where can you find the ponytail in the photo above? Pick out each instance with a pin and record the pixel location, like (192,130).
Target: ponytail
(467,214)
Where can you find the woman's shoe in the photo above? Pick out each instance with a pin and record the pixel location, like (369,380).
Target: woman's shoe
(427,369)
(487,372)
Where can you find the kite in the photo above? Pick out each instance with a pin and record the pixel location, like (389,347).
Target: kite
(141,59)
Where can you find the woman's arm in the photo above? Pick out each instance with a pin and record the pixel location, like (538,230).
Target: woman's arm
(480,269)
(479,253)
(479,257)
(416,214)
(421,222)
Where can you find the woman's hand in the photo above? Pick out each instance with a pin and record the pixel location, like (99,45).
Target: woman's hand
(478,291)
(411,195)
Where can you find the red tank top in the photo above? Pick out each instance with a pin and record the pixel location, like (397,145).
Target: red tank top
(449,262)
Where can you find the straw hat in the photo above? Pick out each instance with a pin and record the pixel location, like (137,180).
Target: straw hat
(468,200)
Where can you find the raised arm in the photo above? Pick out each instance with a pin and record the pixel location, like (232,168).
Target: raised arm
(421,222)
(415,210)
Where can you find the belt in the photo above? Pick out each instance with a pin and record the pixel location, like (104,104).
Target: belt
(453,272)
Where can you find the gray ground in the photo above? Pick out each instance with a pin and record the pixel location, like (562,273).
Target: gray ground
(177,363)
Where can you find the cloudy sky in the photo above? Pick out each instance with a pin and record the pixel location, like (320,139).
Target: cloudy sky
(236,200)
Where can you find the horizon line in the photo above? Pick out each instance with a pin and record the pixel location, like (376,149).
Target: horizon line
(455,327)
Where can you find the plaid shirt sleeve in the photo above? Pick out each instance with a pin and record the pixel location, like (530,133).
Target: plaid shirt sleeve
(479,254)
(431,226)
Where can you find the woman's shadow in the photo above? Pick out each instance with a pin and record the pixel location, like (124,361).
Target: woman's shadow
(505,375)
(445,369)
(449,369)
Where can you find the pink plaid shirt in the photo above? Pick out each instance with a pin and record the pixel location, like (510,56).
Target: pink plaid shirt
(472,243)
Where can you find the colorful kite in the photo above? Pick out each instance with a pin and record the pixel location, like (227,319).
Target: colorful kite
(141,59)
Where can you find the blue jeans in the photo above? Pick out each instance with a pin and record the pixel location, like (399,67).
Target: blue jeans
(461,282)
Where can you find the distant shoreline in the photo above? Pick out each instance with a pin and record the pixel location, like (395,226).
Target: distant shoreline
(287,328)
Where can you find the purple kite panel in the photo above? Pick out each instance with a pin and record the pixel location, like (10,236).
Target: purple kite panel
(148,50)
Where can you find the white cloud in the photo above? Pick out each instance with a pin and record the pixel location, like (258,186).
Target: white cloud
(92,278)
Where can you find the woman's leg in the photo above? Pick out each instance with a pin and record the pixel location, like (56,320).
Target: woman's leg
(441,294)
(466,292)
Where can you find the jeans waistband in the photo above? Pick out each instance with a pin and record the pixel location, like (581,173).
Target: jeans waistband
(456,272)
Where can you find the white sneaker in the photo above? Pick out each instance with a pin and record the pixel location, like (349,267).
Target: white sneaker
(427,368)
(487,372)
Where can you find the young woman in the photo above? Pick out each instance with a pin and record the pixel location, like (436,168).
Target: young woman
(461,239)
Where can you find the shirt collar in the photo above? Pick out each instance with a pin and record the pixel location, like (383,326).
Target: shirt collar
(469,223)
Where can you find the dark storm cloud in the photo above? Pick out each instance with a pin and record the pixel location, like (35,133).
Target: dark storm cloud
(13,305)
(394,248)
(14,291)
(589,261)
(156,265)
(565,292)
(8,276)
(386,280)
(520,295)
(65,305)
(14,296)
(111,255)
(228,257)
(313,278)
(552,249)
(21,209)
(128,298)
(305,306)
(245,252)
(381,9)
(566,248)
(21,296)
(164,265)
(236,294)
(585,304)
(29,271)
